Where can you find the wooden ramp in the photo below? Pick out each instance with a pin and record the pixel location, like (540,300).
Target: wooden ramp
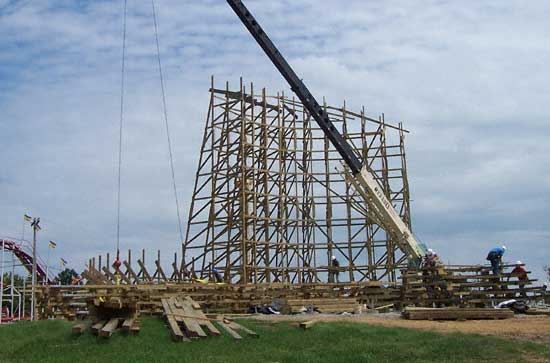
(187,321)
(456,313)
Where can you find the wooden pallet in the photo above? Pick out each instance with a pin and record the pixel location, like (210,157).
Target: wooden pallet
(187,321)
(455,313)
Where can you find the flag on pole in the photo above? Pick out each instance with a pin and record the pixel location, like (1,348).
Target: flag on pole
(63,263)
(27,218)
(52,244)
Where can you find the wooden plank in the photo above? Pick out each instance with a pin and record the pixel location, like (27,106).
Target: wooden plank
(160,270)
(193,303)
(144,271)
(236,326)
(127,324)
(175,330)
(191,323)
(131,271)
(307,324)
(135,329)
(97,326)
(81,327)
(456,313)
(199,315)
(535,311)
(109,328)
(228,329)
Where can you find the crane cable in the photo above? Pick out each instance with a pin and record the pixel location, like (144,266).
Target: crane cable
(166,122)
(120,129)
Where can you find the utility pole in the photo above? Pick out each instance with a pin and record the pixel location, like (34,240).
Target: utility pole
(35,227)
(2,283)
(12,310)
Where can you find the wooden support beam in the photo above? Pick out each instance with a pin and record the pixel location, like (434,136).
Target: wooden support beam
(227,328)
(97,326)
(144,271)
(81,327)
(109,328)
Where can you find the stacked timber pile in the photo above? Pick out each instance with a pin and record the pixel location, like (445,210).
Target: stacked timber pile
(214,298)
(68,302)
(465,286)
(187,321)
(538,311)
(456,313)
(108,314)
(321,305)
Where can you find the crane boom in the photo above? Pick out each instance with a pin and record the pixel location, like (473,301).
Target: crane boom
(360,177)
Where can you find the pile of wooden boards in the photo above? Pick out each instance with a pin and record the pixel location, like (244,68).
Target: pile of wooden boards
(106,328)
(538,311)
(473,286)
(321,305)
(69,301)
(187,321)
(456,313)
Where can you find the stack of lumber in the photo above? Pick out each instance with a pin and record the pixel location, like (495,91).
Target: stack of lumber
(538,311)
(465,286)
(186,321)
(108,314)
(456,313)
(107,327)
(69,301)
(323,305)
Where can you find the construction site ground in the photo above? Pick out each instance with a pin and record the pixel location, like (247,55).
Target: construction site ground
(531,328)
(279,340)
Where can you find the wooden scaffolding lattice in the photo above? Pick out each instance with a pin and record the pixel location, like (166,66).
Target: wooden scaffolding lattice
(270,204)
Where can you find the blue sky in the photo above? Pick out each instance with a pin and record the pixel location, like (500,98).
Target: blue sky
(470,82)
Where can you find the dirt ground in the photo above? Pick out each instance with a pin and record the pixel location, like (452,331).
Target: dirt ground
(533,328)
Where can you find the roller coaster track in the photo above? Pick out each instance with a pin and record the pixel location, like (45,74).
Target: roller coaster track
(24,254)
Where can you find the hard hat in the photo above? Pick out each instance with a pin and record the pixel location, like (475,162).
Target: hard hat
(504,248)
(333,257)
(214,269)
(430,251)
(519,263)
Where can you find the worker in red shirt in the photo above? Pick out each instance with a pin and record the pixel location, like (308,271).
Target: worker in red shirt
(520,272)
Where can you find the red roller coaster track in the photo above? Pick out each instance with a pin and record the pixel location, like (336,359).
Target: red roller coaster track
(24,255)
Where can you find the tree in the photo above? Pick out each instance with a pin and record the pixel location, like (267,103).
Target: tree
(65,277)
(17,278)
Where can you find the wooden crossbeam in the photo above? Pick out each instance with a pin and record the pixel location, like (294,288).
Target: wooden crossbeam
(144,271)
(131,272)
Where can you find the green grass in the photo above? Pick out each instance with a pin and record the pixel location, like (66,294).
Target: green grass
(52,341)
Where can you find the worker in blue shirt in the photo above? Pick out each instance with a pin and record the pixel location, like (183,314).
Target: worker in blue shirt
(217,275)
(495,257)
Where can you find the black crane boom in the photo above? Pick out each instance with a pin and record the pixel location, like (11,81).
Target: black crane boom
(297,86)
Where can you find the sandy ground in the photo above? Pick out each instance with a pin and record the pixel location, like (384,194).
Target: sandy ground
(533,328)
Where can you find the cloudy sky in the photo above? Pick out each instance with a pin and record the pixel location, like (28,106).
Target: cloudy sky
(469,79)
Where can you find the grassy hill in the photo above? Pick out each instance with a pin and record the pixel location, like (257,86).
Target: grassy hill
(52,341)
